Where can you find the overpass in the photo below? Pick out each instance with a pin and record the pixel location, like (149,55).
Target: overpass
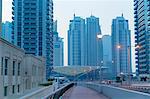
(80,73)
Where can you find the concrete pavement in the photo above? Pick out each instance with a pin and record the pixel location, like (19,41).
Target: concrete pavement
(80,92)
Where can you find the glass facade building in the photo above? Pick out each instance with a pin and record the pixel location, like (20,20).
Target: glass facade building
(32,28)
(121,47)
(58,47)
(76,42)
(7,31)
(142,36)
(84,48)
(58,50)
(94,44)
(107,54)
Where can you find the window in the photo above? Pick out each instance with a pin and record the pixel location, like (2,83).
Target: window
(2,66)
(13,89)
(18,88)
(19,69)
(14,68)
(5,91)
(6,66)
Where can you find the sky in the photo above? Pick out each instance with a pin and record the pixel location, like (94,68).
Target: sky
(106,10)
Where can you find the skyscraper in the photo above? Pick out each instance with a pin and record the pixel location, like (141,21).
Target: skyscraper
(142,37)
(121,48)
(7,31)
(58,48)
(0,17)
(33,28)
(94,44)
(76,42)
(107,53)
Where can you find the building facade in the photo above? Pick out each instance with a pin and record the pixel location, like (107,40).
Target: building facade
(0,17)
(33,28)
(76,42)
(19,72)
(58,50)
(121,46)
(94,44)
(142,36)
(107,53)
(58,47)
(7,31)
(55,26)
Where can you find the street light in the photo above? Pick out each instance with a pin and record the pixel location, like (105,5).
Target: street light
(129,61)
(101,70)
(129,64)
(74,74)
(99,37)
(118,46)
(138,46)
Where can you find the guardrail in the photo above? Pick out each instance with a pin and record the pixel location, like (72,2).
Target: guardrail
(115,92)
(59,92)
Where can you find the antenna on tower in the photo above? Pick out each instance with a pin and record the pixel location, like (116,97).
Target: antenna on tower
(122,14)
(74,15)
(91,13)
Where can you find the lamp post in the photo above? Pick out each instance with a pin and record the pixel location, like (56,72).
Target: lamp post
(129,61)
(112,69)
(74,74)
(99,37)
(101,71)
(119,47)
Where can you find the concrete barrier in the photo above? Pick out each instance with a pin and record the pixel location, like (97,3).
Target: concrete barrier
(59,92)
(115,92)
(32,94)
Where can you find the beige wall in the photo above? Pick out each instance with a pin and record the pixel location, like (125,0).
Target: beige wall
(35,71)
(32,69)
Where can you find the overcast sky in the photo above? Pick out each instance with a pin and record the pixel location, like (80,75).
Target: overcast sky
(106,10)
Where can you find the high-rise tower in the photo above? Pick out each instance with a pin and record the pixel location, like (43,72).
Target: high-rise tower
(76,42)
(33,28)
(121,47)
(94,44)
(142,36)
(58,47)
(7,31)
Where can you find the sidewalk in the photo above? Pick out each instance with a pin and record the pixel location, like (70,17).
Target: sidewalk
(79,92)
